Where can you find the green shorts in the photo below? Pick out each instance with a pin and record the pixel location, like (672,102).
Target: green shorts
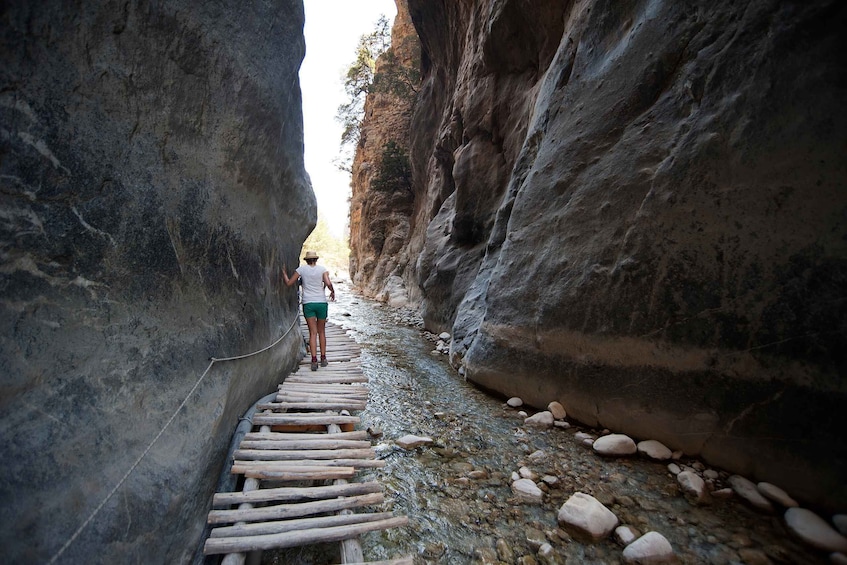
(315,310)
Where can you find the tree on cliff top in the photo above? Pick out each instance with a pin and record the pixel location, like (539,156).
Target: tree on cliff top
(357,84)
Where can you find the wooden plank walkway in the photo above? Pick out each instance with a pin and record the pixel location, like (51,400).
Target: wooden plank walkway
(299,462)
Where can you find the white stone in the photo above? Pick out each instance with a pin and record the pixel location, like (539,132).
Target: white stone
(654,450)
(746,489)
(652,547)
(522,414)
(840,522)
(527,491)
(674,468)
(557,410)
(777,495)
(527,473)
(550,480)
(692,485)
(588,442)
(711,474)
(444,335)
(412,441)
(515,402)
(625,535)
(584,516)
(537,455)
(515,476)
(579,436)
(541,420)
(615,445)
(561,424)
(814,530)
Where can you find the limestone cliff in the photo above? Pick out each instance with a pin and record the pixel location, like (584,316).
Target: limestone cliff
(638,209)
(152,184)
(382,196)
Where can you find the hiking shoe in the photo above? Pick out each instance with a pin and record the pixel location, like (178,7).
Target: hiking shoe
(314,364)
(324,362)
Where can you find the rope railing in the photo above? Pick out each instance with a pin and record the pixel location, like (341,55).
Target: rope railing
(212,361)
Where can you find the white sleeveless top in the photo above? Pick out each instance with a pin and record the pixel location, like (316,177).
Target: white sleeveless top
(313,287)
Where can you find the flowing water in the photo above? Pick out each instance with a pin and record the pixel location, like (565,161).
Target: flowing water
(457,492)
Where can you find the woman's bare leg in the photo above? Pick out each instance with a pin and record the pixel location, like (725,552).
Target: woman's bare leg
(322,335)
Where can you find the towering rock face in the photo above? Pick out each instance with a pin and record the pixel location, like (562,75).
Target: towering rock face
(152,184)
(380,212)
(638,209)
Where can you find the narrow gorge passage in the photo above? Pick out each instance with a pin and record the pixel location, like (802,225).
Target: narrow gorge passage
(457,493)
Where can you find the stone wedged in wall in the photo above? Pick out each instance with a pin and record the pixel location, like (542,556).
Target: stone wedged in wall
(659,198)
(152,186)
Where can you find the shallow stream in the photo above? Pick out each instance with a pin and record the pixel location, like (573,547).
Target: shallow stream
(457,492)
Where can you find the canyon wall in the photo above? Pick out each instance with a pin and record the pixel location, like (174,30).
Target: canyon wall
(152,185)
(638,209)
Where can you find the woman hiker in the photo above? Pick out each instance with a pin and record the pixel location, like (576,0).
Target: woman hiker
(314,278)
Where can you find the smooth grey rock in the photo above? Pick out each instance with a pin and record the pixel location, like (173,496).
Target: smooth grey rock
(652,547)
(412,441)
(654,450)
(746,489)
(153,186)
(527,491)
(612,263)
(776,494)
(515,402)
(527,473)
(585,518)
(814,530)
(615,445)
(674,468)
(557,410)
(540,420)
(580,436)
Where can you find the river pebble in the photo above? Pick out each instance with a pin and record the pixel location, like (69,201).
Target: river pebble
(692,485)
(557,410)
(654,449)
(444,335)
(527,473)
(674,468)
(527,491)
(814,530)
(541,420)
(777,495)
(652,547)
(515,402)
(584,517)
(746,489)
(548,556)
(580,436)
(413,441)
(615,445)
(625,535)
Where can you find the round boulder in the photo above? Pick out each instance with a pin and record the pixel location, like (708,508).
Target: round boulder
(652,547)
(615,445)
(814,530)
(585,518)
(653,449)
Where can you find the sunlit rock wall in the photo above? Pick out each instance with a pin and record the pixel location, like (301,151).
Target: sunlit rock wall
(152,182)
(380,221)
(638,209)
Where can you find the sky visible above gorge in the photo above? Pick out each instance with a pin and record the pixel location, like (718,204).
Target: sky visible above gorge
(332,31)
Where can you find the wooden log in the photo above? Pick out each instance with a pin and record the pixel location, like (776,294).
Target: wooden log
(327,443)
(286,475)
(278,527)
(216,546)
(302,419)
(272,436)
(408,560)
(325,405)
(241,466)
(329,379)
(296,510)
(294,494)
(300,454)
